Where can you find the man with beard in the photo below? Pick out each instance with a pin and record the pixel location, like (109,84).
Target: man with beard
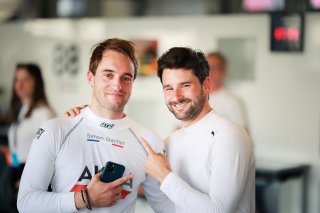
(211,166)
(67,153)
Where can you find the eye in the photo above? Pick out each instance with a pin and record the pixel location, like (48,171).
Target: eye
(108,75)
(186,85)
(167,89)
(127,79)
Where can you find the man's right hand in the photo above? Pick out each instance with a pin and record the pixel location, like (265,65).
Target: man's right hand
(102,194)
(74,111)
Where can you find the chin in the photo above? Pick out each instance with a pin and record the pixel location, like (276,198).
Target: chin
(179,116)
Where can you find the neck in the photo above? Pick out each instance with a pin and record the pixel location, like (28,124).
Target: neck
(26,101)
(205,110)
(106,113)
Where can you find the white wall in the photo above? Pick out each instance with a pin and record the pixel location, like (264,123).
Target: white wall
(283,101)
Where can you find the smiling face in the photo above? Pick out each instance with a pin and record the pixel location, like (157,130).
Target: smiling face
(185,97)
(112,84)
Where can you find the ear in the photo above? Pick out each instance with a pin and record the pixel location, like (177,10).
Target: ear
(90,78)
(206,85)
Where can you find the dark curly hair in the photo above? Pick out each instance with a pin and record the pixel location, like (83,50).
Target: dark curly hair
(184,57)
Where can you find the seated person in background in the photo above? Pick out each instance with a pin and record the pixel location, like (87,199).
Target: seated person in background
(29,108)
(69,152)
(222,100)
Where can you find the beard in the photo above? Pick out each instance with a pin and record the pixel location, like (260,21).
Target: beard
(192,111)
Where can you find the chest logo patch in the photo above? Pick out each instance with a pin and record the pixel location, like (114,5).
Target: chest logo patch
(86,176)
(39,133)
(107,125)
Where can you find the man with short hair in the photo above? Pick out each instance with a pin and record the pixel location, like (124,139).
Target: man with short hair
(67,153)
(211,165)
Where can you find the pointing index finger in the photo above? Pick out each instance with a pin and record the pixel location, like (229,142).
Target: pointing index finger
(146,146)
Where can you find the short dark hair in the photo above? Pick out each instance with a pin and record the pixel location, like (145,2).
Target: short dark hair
(119,45)
(220,56)
(184,57)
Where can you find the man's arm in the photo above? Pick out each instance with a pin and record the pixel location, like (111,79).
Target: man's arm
(151,187)
(158,201)
(37,175)
(230,166)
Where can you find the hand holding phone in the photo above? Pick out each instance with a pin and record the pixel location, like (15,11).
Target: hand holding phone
(111,172)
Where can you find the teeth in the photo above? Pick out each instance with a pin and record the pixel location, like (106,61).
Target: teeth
(180,105)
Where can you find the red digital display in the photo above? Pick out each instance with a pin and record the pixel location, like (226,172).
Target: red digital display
(282,34)
(286,32)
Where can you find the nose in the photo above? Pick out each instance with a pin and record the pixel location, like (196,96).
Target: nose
(19,85)
(117,84)
(177,95)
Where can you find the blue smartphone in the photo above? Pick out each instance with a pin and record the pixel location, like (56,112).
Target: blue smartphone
(111,172)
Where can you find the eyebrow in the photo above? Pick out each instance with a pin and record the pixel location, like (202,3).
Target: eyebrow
(186,82)
(165,86)
(112,71)
(182,83)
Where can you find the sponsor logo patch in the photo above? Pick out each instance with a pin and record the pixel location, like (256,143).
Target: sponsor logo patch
(86,176)
(107,125)
(39,133)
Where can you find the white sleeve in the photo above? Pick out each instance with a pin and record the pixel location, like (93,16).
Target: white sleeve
(38,172)
(230,165)
(158,201)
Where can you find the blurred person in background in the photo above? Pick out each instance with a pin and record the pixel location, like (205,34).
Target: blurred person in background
(29,108)
(221,99)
